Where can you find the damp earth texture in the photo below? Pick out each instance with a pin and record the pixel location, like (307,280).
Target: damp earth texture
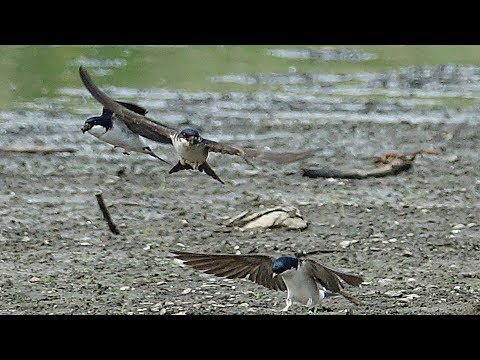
(414,237)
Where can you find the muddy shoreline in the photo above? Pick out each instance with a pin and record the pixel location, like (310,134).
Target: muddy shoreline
(415,232)
(413,236)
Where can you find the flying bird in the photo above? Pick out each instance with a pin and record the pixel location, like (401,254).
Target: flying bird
(307,282)
(110,128)
(192,149)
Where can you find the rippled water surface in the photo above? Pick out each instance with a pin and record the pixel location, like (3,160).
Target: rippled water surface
(250,87)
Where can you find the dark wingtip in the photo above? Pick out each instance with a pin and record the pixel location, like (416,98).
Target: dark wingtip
(84,76)
(82,72)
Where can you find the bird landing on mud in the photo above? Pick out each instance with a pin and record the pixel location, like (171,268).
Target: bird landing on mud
(307,282)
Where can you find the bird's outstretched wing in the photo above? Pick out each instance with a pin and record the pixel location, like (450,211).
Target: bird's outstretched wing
(222,148)
(330,277)
(278,157)
(218,147)
(258,268)
(138,123)
(134,107)
(150,129)
(249,153)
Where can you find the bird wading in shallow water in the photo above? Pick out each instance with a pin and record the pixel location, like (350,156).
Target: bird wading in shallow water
(307,282)
(192,149)
(110,128)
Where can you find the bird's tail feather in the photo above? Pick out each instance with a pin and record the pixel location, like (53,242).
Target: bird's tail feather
(328,294)
(349,297)
(178,166)
(209,171)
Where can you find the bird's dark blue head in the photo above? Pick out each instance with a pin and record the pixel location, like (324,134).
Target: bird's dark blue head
(189,132)
(284,263)
(104,120)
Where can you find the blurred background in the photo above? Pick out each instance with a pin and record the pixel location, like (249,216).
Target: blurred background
(46,77)
(253,88)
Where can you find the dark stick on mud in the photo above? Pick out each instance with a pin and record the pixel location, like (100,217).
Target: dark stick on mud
(386,170)
(38,149)
(106,214)
(387,164)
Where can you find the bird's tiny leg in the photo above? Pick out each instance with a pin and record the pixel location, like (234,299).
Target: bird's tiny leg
(314,310)
(289,303)
(309,305)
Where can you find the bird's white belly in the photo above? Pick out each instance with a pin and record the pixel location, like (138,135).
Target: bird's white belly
(117,136)
(302,288)
(191,153)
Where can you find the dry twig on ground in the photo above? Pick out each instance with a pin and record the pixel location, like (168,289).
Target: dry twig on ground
(106,214)
(37,149)
(387,164)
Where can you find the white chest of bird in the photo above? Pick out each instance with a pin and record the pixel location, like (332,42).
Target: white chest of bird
(119,135)
(190,153)
(301,287)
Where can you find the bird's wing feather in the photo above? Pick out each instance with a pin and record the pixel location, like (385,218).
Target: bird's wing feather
(324,276)
(138,123)
(134,107)
(246,153)
(350,279)
(223,148)
(278,157)
(258,268)
(330,277)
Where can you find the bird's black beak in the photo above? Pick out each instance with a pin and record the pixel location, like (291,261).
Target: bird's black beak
(86,127)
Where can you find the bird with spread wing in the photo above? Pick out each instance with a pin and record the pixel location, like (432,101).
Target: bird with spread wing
(108,128)
(190,146)
(307,281)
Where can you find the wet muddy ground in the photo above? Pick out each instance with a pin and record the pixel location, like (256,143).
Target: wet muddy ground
(414,237)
